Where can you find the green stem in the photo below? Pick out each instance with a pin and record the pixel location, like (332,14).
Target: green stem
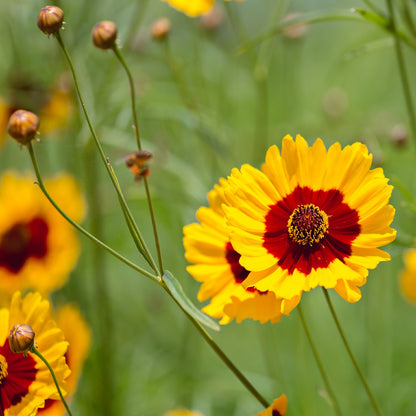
(351,355)
(402,69)
(129,263)
(123,62)
(134,230)
(36,352)
(319,363)
(216,348)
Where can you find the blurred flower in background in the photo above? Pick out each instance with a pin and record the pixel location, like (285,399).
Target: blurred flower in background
(55,105)
(38,248)
(278,408)
(25,381)
(182,412)
(310,218)
(216,265)
(78,334)
(193,7)
(408,276)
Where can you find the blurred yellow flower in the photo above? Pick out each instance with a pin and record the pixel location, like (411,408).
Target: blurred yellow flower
(310,218)
(182,412)
(193,7)
(38,248)
(408,276)
(25,382)
(216,265)
(78,334)
(278,408)
(54,107)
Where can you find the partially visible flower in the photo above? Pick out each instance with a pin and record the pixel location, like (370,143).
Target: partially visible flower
(78,334)
(310,218)
(216,265)
(38,248)
(408,276)
(278,408)
(193,8)
(25,382)
(182,412)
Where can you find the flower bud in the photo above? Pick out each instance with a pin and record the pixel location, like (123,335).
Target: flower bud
(399,135)
(104,34)
(50,19)
(21,338)
(160,28)
(23,126)
(137,163)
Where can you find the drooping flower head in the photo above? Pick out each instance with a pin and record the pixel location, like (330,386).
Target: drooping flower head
(25,381)
(38,248)
(216,265)
(278,408)
(310,218)
(193,7)
(78,334)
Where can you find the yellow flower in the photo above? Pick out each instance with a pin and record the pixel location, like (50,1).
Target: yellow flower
(25,382)
(38,248)
(193,7)
(408,276)
(310,218)
(216,265)
(183,412)
(78,334)
(278,408)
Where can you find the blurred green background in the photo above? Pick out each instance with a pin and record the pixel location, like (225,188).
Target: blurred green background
(204,109)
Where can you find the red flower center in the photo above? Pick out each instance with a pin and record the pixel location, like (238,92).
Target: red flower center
(21,241)
(238,271)
(16,375)
(310,229)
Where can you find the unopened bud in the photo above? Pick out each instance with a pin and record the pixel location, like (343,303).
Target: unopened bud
(213,19)
(104,34)
(23,126)
(50,19)
(399,135)
(21,338)
(160,28)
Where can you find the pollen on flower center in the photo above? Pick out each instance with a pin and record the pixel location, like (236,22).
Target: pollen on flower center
(307,225)
(3,369)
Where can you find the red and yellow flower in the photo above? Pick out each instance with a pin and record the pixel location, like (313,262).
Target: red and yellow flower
(193,7)
(278,408)
(309,218)
(216,265)
(25,381)
(38,248)
(78,334)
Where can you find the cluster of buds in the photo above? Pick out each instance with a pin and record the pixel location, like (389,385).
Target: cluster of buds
(23,126)
(21,338)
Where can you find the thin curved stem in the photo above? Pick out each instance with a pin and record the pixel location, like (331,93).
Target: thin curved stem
(402,69)
(351,355)
(134,230)
(319,363)
(82,230)
(36,352)
(123,62)
(221,354)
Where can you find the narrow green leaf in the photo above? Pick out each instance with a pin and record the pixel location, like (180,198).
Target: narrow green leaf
(179,295)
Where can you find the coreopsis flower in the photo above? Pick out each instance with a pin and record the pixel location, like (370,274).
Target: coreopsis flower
(193,7)
(216,265)
(78,334)
(25,381)
(310,218)
(408,276)
(183,412)
(38,248)
(278,408)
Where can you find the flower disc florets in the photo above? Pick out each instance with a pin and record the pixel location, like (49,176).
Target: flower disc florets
(50,19)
